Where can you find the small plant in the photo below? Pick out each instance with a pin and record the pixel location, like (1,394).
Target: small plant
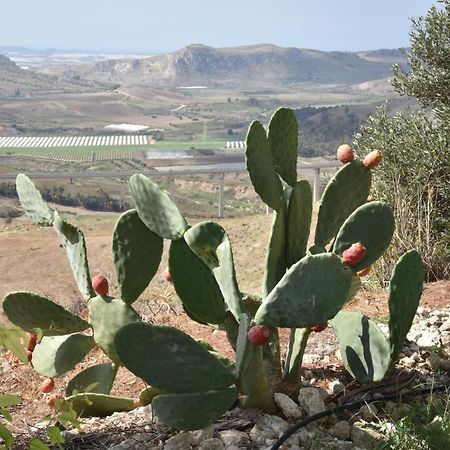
(303,289)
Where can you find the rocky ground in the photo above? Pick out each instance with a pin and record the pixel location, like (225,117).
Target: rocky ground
(424,363)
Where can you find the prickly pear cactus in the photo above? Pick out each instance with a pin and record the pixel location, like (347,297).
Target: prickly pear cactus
(304,289)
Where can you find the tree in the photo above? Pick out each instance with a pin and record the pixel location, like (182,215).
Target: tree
(415,175)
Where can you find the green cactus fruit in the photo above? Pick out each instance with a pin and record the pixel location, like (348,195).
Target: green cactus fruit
(405,290)
(261,167)
(347,190)
(106,316)
(211,244)
(296,349)
(156,209)
(32,202)
(363,346)
(72,240)
(188,273)
(91,404)
(312,291)
(372,225)
(55,355)
(170,360)
(193,411)
(98,379)
(30,311)
(283,139)
(275,266)
(147,395)
(137,253)
(298,221)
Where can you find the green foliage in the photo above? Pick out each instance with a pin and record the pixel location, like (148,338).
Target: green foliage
(414,175)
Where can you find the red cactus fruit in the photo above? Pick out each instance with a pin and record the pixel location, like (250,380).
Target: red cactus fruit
(32,341)
(258,335)
(318,328)
(167,275)
(100,284)
(345,153)
(47,386)
(364,272)
(373,159)
(354,254)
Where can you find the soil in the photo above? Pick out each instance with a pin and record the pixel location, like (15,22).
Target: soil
(31,259)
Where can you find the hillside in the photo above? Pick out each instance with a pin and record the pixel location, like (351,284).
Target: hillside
(17,82)
(269,64)
(323,129)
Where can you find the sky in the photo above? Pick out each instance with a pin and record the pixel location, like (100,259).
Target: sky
(149,26)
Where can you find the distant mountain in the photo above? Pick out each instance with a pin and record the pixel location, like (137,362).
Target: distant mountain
(17,82)
(264,64)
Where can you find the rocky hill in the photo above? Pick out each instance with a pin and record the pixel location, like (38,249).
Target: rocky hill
(17,82)
(266,63)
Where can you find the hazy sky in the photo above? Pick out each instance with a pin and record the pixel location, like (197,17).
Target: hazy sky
(151,26)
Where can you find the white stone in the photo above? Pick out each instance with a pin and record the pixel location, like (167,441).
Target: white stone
(233,437)
(180,441)
(341,430)
(336,386)
(269,427)
(211,444)
(311,400)
(199,436)
(289,408)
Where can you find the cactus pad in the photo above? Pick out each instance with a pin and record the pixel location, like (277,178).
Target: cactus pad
(275,266)
(72,240)
(363,346)
(189,272)
(405,290)
(372,224)
(170,360)
(30,311)
(347,190)
(193,411)
(55,355)
(32,202)
(147,395)
(107,315)
(137,254)
(312,291)
(90,404)
(98,379)
(283,139)
(156,209)
(261,167)
(298,221)
(211,244)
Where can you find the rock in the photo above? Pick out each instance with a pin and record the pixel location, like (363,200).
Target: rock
(364,437)
(204,434)
(336,386)
(211,444)
(434,361)
(367,412)
(445,339)
(445,326)
(269,427)
(234,437)
(138,441)
(289,408)
(429,338)
(180,441)
(311,400)
(341,430)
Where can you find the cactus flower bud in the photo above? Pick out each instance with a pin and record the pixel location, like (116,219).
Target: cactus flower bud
(47,386)
(320,327)
(354,254)
(364,272)
(345,153)
(100,284)
(32,341)
(258,335)
(373,159)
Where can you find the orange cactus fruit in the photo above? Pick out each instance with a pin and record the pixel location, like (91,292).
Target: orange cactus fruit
(373,159)
(345,153)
